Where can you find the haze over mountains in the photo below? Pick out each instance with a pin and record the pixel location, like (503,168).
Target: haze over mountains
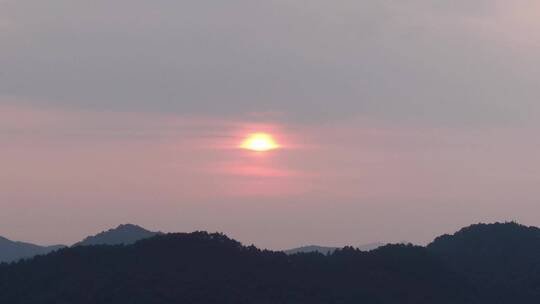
(328,250)
(12,250)
(124,234)
(484,263)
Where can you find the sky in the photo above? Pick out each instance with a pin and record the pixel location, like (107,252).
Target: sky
(397,120)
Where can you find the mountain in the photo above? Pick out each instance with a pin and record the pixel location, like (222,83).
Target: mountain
(310,249)
(502,260)
(481,264)
(208,268)
(12,251)
(327,250)
(124,234)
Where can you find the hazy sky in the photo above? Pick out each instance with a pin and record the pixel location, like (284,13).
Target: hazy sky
(399,120)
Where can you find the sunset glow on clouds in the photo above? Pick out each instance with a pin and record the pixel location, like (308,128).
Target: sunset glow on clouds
(420,113)
(122,162)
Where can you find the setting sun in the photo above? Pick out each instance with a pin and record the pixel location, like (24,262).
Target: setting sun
(259,142)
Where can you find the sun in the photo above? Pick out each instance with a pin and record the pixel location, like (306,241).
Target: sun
(260,142)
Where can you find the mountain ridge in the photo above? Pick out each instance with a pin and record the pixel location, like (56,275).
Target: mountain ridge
(123,234)
(483,263)
(210,268)
(328,250)
(11,251)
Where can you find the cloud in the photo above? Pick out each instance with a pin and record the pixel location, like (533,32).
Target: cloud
(62,167)
(415,62)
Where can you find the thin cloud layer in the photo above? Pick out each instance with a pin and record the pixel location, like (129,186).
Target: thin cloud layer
(449,63)
(417,113)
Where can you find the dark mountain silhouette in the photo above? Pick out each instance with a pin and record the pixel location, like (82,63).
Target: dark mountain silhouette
(327,250)
(211,268)
(502,260)
(480,264)
(123,234)
(12,251)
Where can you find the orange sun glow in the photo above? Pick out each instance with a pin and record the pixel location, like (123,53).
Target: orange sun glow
(260,142)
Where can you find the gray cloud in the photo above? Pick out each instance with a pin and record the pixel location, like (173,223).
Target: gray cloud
(311,60)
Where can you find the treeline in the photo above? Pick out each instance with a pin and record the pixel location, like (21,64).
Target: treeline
(496,263)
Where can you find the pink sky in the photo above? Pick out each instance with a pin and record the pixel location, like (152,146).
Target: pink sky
(335,184)
(399,120)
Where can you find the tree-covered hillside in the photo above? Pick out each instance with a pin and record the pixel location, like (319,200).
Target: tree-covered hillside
(496,263)
(211,268)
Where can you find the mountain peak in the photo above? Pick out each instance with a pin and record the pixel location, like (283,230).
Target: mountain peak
(123,234)
(129,226)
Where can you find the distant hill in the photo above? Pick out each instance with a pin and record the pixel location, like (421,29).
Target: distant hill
(124,234)
(371,246)
(327,250)
(12,251)
(311,248)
